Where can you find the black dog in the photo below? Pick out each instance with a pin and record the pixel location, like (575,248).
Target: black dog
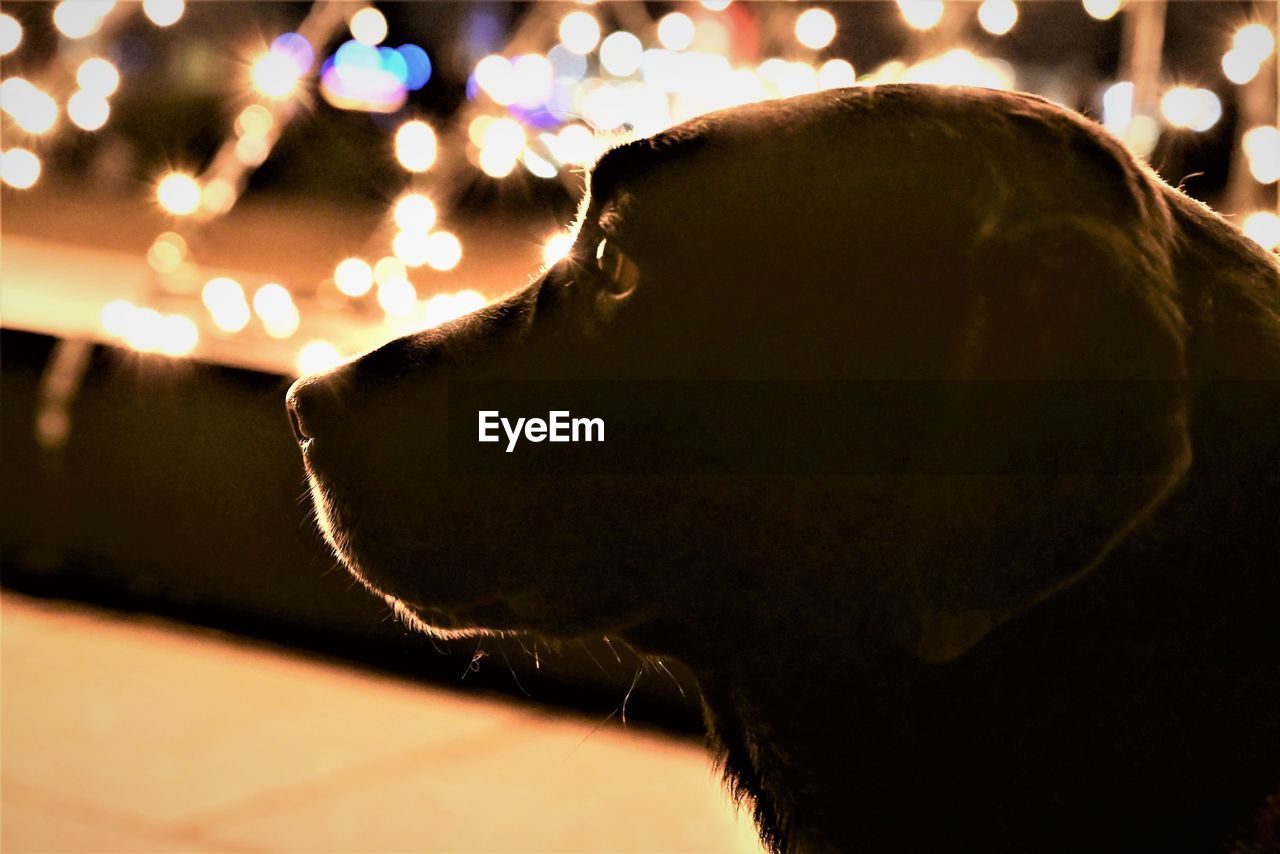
(1039,614)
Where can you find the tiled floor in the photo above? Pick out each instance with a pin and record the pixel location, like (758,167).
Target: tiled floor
(128,735)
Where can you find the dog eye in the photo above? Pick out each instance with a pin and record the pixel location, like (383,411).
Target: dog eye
(621,273)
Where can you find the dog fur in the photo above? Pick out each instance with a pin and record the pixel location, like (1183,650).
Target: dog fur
(897,660)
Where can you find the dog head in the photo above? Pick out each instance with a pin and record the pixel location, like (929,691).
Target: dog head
(867,238)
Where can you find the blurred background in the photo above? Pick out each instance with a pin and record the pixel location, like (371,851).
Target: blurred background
(202,201)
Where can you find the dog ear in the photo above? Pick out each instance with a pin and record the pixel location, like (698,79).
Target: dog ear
(1062,428)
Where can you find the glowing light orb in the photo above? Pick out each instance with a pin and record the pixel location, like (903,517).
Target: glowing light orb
(76,19)
(815,28)
(218,196)
(316,357)
(998,16)
(415,211)
(389,268)
(836,74)
(142,331)
(1102,10)
(500,149)
(254,120)
(177,335)
(556,248)
(10,34)
(1239,67)
(19,168)
(620,54)
(167,252)
(577,145)
(716,5)
(98,76)
(1191,108)
(368,26)
(353,277)
(1262,148)
(225,300)
(87,111)
(178,193)
(275,75)
(411,247)
(444,251)
(163,13)
(1263,228)
(274,306)
(442,308)
(1255,41)
(579,32)
(538,165)
(31,109)
(116,317)
(497,78)
(252,150)
(921,14)
(1117,107)
(416,146)
(675,31)
(397,297)
(534,77)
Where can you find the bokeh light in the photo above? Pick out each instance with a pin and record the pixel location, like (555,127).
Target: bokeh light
(275,74)
(10,34)
(353,277)
(163,13)
(620,54)
(579,32)
(77,19)
(444,251)
(167,252)
(500,149)
(88,111)
(226,302)
(443,308)
(1191,108)
(815,28)
(835,74)
(178,193)
(415,211)
(675,31)
(497,78)
(416,146)
(317,357)
(32,109)
(274,306)
(1255,41)
(368,26)
(1239,67)
(1263,228)
(998,16)
(1262,149)
(19,168)
(411,247)
(397,297)
(921,14)
(116,317)
(1102,10)
(98,76)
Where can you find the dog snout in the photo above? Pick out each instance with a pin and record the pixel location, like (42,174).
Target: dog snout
(311,404)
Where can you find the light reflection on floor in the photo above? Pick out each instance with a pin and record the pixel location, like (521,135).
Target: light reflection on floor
(124,735)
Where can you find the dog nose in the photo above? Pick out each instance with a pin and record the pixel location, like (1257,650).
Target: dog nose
(308,401)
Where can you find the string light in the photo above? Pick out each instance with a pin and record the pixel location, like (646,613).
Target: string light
(31,109)
(225,300)
(416,146)
(620,54)
(815,28)
(353,277)
(500,149)
(163,13)
(411,247)
(998,16)
(389,268)
(415,211)
(921,14)
(10,34)
(397,297)
(579,32)
(1255,41)
(98,76)
(496,77)
(178,193)
(444,251)
(87,111)
(76,19)
(836,74)
(1263,228)
(368,26)
(1262,149)
(274,306)
(275,75)
(317,357)
(1191,108)
(19,168)
(675,31)
(1102,10)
